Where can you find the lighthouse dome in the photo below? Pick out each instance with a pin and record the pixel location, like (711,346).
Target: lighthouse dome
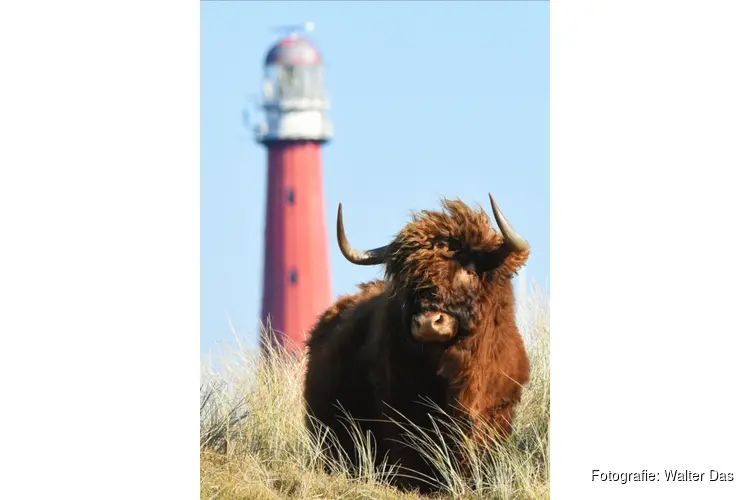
(294,95)
(293,50)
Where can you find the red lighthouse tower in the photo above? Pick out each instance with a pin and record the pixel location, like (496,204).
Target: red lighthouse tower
(296,281)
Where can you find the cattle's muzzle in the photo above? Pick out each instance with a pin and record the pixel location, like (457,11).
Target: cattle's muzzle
(433,327)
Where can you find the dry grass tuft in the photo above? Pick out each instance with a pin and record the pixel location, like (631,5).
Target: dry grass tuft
(254,444)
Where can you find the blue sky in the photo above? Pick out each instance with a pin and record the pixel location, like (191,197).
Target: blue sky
(428,99)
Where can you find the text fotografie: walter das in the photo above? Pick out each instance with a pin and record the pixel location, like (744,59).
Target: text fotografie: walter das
(677,476)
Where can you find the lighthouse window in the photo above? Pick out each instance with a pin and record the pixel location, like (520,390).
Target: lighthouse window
(290,196)
(290,83)
(293,277)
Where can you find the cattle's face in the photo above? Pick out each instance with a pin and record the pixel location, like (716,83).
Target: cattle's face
(445,265)
(449,263)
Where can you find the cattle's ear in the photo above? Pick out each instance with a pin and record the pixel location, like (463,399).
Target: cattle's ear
(513,262)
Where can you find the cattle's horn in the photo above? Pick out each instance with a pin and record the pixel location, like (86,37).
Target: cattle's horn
(362,258)
(514,240)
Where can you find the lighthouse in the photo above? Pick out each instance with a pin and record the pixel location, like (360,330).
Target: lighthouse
(294,127)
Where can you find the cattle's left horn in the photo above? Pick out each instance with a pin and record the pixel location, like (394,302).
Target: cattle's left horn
(514,240)
(359,257)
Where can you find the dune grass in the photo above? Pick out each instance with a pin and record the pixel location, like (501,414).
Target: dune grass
(254,444)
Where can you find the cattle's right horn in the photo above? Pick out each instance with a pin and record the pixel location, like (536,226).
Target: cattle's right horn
(514,240)
(359,257)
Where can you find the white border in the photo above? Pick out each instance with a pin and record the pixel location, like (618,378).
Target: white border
(649,156)
(99,249)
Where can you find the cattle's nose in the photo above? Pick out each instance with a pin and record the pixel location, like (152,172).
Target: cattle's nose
(433,326)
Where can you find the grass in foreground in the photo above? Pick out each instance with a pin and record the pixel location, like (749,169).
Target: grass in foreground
(254,444)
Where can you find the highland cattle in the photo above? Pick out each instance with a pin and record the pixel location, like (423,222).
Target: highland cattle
(439,326)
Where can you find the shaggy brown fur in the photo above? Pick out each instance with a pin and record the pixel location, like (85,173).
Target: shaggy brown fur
(363,356)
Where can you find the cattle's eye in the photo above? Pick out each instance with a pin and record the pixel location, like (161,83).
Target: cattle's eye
(440,245)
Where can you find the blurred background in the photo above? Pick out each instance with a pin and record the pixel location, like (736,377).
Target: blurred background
(428,99)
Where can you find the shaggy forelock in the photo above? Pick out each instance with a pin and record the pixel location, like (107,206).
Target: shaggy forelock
(412,251)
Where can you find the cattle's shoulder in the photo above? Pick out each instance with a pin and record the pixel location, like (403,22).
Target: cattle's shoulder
(366,292)
(343,307)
